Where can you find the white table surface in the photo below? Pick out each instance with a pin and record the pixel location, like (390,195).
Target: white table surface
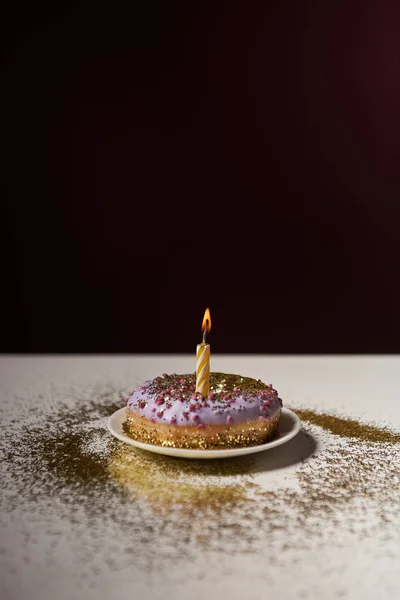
(339,562)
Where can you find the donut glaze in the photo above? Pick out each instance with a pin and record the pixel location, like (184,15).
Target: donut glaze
(239,411)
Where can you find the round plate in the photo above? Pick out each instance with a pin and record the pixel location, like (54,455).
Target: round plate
(289,426)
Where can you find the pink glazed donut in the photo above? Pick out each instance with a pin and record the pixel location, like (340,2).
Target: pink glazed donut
(238,411)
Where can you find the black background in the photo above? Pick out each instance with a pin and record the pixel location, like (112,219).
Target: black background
(168,157)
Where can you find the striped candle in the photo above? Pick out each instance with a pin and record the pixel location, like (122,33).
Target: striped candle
(203,369)
(203,359)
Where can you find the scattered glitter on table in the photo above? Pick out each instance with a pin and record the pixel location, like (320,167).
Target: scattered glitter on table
(104,507)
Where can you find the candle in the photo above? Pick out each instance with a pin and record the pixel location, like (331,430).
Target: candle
(203,358)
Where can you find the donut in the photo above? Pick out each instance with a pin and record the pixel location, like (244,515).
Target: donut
(238,411)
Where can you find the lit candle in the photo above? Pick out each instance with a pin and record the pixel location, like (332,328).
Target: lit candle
(203,359)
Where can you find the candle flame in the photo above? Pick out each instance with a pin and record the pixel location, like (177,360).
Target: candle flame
(206,325)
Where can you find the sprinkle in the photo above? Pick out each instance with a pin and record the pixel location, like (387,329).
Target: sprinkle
(200,426)
(186,415)
(229,419)
(173,420)
(142,404)
(195,417)
(160,413)
(160,401)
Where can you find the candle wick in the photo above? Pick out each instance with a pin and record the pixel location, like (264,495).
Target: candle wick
(205,332)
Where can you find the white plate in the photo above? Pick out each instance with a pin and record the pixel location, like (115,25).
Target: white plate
(289,426)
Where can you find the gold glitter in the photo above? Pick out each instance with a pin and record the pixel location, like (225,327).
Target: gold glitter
(165,483)
(227,383)
(212,436)
(220,383)
(64,460)
(349,428)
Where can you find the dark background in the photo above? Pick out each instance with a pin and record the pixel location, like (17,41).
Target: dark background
(168,157)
